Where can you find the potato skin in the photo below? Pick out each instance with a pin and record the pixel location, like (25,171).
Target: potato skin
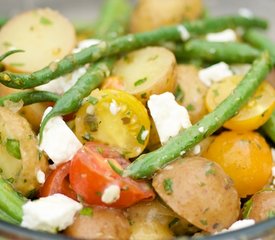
(23,171)
(193,90)
(200,192)
(263,206)
(152,14)
(105,223)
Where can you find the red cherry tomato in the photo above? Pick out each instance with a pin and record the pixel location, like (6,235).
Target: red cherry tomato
(91,175)
(58,182)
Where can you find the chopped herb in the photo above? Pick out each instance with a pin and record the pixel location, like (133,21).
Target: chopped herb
(173,222)
(92,100)
(87,136)
(153,58)
(143,95)
(115,168)
(271,214)
(7,44)
(203,222)
(91,121)
(247,208)
(13,148)
(139,136)
(1,170)
(179,94)
(17,64)
(190,107)
(10,180)
(202,184)
(216,93)
(125,120)
(140,81)
(45,21)
(128,59)
(210,170)
(99,150)
(98,193)
(86,211)
(168,186)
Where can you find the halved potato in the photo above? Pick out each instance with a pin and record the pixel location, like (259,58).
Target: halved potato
(147,71)
(20,159)
(44,34)
(152,14)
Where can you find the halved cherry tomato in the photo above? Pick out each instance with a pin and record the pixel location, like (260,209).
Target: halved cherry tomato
(91,175)
(251,116)
(58,182)
(116,118)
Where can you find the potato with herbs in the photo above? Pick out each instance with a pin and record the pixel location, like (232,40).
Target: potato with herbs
(147,71)
(199,191)
(100,223)
(20,159)
(190,91)
(44,35)
(261,206)
(152,14)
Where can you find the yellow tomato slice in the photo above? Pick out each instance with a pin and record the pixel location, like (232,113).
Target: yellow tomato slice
(116,118)
(254,114)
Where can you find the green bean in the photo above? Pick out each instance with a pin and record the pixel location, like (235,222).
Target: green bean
(230,52)
(261,41)
(6,54)
(269,127)
(30,97)
(146,165)
(10,203)
(3,21)
(124,44)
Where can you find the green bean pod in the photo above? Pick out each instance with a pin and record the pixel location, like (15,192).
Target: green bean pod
(230,52)
(146,165)
(124,44)
(269,127)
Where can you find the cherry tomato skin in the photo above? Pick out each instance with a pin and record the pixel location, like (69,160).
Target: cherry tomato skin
(58,182)
(245,157)
(91,174)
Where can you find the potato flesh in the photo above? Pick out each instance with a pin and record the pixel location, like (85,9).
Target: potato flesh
(104,223)
(201,193)
(22,172)
(151,14)
(147,71)
(43,34)
(193,91)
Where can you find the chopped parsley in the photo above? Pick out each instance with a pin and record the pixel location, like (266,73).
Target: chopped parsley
(140,81)
(168,186)
(13,148)
(139,136)
(86,211)
(179,94)
(190,107)
(45,21)
(203,222)
(216,93)
(92,100)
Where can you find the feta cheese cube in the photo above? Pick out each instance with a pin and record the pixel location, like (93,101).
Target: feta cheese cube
(241,224)
(168,115)
(59,142)
(214,73)
(227,35)
(40,176)
(51,214)
(111,194)
(184,34)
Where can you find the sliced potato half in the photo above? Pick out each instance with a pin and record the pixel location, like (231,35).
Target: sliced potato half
(45,35)
(147,71)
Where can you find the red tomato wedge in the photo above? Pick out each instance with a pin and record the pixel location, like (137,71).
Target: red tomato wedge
(58,182)
(90,174)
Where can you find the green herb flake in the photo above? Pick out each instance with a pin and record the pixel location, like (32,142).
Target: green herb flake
(204,222)
(173,222)
(271,214)
(87,136)
(13,148)
(216,93)
(98,193)
(143,95)
(99,149)
(7,44)
(140,81)
(86,211)
(179,94)
(17,64)
(168,186)
(210,170)
(91,121)
(140,138)
(92,100)
(45,21)
(153,58)
(190,107)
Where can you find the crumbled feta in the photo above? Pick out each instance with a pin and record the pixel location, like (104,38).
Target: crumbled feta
(40,176)
(114,108)
(111,194)
(273,154)
(50,214)
(201,129)
(245,12)
(168,115)
(214,73)
(144,135)
(90,109)
(85,44)
(182,153)
(184,34)
(240,69)
(197,149)
(227,35)
(59,142)
(238,225)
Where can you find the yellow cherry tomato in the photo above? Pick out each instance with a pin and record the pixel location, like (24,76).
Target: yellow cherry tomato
(116,118)
(251,116)
(245,157)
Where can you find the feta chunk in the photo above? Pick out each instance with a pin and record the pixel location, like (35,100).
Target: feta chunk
(168,115)
(238,225)
(111,194)
(245,12)
(197,149)
(228,35)
(50,214)
(85,44)
(40,176)
(184,34)
(214,73)
(114,108)
(59,142)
